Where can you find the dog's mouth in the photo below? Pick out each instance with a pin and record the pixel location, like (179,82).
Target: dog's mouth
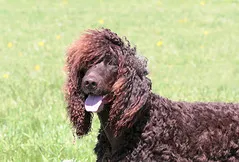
(94,103)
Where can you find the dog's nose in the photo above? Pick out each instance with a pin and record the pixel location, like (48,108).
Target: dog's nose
(90,84)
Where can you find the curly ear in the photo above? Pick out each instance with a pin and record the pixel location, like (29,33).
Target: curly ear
(131,93)
(80,118)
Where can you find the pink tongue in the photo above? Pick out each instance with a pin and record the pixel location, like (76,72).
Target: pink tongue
(92,103)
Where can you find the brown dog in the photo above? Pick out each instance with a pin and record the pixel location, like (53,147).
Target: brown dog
(105,76)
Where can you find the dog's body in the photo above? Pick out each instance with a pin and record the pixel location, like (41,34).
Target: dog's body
(106,77)
(175,131)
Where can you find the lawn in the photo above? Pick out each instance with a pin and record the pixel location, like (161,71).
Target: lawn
(192,49)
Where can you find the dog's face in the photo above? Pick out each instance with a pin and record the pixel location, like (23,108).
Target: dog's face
(97,83)
(104,71)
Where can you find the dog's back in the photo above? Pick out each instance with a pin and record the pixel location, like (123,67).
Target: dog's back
(198,131)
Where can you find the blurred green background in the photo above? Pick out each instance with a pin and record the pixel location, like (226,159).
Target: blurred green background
(192,49)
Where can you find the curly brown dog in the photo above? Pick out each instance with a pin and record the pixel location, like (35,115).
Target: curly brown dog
(105,76)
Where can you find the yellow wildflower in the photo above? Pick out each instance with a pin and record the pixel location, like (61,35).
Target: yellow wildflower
(58,37)
(5,76)
(205,32)
(41,43)
(101,21)
(20,54)
(37,67)
(159,43)
(202,3)
(65,2)
(10,45)
(183,20)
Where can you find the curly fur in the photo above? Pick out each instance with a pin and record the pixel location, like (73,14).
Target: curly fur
(145,126)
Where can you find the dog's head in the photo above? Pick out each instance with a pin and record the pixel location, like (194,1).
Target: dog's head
(104,70)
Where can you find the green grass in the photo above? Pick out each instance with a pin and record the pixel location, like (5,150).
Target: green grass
(198,60)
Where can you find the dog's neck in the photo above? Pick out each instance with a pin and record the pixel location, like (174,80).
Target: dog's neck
(114,141)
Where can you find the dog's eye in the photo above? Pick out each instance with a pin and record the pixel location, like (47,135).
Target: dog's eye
(82,72)
(110,61)
(107,59)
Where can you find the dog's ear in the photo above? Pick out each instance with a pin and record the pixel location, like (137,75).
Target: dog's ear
(80,118)
(131,91)
(139,63)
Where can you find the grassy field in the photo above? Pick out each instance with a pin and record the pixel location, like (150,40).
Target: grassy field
(192,48)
